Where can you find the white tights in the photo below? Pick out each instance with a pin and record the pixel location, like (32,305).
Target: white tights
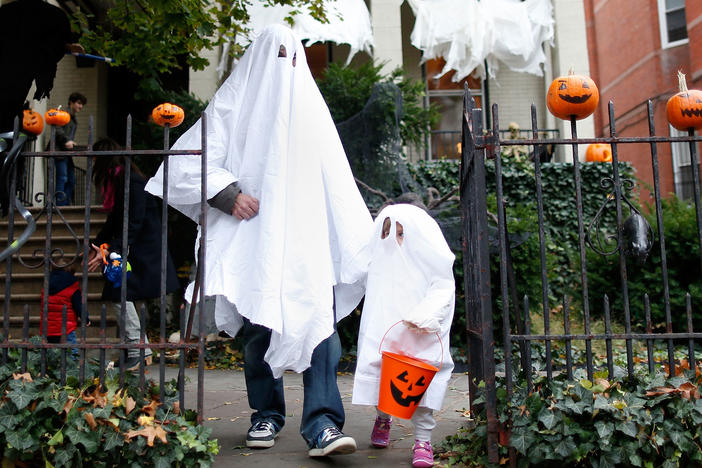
(424,422)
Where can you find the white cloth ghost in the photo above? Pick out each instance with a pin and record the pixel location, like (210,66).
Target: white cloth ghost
(412,282)
(269,128)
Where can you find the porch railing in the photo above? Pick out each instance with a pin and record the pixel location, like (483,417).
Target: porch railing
(52,256)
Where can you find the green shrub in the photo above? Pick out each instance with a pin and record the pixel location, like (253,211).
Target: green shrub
(560,225)
(648,421)
(683,265)
(44,423)
(347,89)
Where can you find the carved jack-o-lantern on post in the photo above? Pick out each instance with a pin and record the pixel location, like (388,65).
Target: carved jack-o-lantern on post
(684,109)
(572,96)
(168,114)
(32,122)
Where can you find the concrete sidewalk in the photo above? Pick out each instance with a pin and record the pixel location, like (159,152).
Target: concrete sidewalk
(227,412)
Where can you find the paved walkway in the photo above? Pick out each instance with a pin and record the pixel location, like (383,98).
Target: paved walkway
(227,412)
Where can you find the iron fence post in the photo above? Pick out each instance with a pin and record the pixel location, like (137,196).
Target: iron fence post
(476,271)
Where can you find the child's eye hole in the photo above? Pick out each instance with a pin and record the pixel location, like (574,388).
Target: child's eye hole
(282,52)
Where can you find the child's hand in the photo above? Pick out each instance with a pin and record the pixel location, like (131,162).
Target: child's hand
(94,259)
(422,327)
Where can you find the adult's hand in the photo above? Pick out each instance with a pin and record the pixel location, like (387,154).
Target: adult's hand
(94,258)
(245,206)
(70,144)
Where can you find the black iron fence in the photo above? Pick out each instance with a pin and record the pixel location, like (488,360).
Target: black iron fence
(516,327)
(17,337)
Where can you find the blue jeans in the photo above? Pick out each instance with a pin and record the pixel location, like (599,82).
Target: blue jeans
(322,406)
(70,338)
(65,180)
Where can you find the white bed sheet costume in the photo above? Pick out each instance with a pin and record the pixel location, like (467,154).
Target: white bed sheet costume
(269,129)
(411,282)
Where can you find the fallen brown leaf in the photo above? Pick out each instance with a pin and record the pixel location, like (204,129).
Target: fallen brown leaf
(151,433)
(90,419)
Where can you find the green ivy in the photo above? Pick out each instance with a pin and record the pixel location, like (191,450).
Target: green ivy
(44,423)
(647,421)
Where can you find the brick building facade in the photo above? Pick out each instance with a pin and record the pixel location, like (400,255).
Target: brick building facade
(635,51)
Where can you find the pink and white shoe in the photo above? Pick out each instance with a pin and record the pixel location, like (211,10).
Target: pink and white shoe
(380,437)
(423,454)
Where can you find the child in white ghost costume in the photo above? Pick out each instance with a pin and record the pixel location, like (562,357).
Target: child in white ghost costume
(410,279)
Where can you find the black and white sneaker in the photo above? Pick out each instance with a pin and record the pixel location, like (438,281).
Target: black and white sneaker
(261,435)
(331,441)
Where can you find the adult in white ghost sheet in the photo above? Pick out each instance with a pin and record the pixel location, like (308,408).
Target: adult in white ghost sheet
(285,227)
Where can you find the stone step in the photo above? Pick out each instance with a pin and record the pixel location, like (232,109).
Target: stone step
(33,282)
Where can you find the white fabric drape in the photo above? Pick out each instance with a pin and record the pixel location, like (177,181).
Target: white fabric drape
(348,23)
(269,129)
(468,33)
(414,282)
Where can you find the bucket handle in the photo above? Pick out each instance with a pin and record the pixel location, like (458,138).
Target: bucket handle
(441,358)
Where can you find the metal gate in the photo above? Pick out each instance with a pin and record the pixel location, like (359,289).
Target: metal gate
(479,146)
(17,336)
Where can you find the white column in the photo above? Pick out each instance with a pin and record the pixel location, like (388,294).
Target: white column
(386,20)
(570,51)
(204,83)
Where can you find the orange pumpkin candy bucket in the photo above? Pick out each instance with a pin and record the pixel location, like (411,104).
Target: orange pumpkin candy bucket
(403,381)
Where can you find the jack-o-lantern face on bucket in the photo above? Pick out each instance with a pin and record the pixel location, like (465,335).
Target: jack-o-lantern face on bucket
(572,96)
(408,388)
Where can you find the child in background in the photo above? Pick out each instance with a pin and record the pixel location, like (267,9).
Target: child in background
(64,290)
(410,279)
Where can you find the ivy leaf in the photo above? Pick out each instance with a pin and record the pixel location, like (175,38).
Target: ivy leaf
(522,441)
(565,447)
(163,462)
(8,421)
(680,439)
(112,439)
(604,430)
(629,428)
(21,397)
(64,455)
(548,418)
(21,440)
(57,439)
(88,439)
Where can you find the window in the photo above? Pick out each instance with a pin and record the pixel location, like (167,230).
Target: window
(682,170)
(671,14)
(448,97)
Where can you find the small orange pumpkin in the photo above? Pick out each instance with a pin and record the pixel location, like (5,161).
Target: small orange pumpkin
(168,113)
(684,109)
(599,152)
(32,122)
(572,95)
(57,117)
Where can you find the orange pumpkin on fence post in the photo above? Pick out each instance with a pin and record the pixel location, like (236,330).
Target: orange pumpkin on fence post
(57,117)
(572,96)
(684,109)
(168,113)
(599,152)
(32,122)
